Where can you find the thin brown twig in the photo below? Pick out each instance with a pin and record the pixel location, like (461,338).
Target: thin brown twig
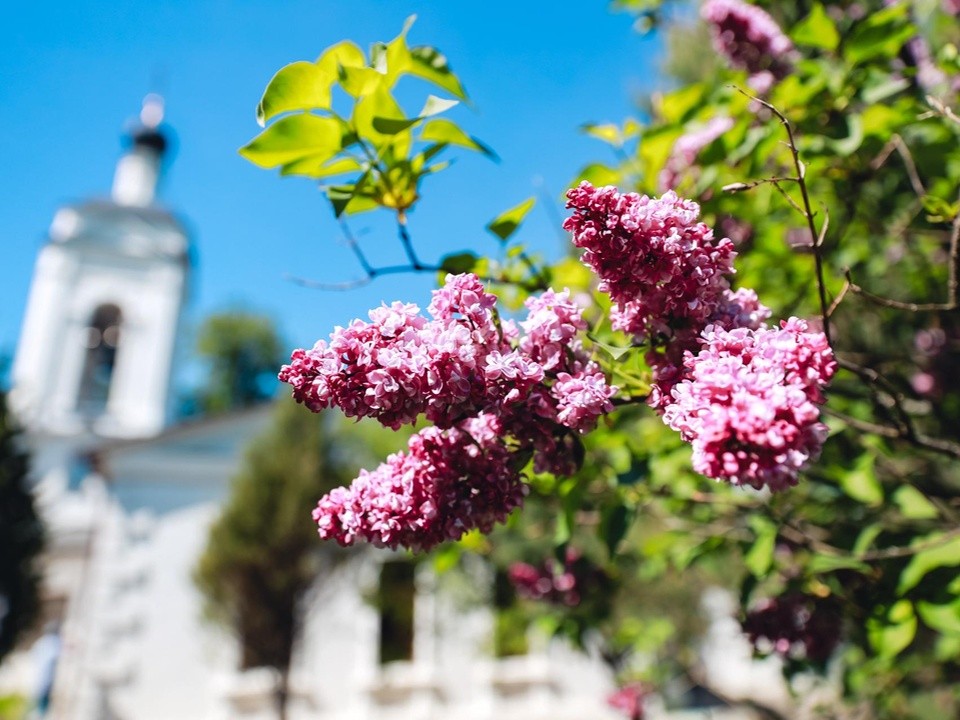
(897,144)
(807,209)
(838,299)
(905,427)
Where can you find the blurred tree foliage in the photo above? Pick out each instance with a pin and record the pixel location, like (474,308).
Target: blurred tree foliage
(243,351)
(262,557)
(21,537)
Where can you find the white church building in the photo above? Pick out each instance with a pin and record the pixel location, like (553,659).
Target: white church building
(128,495)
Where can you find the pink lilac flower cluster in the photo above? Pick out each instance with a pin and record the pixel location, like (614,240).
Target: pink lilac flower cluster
(686,149)
(746,396)
(629,700)
(750,39)
(794,625)
(662,268)
(748,403)
(401,365)
(541,389)
(447,483)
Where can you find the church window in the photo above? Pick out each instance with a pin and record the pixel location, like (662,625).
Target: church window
(101,338)
(396,603)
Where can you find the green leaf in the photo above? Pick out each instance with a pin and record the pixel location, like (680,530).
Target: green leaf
(816,30)
(433,106)
(431,65)
(614,524)
(845,147)
(342,55)
(361,81)
(829,563)
(913,504)
(320,167)
(608,133)
(759,558)
(942,618)
(372,111)
(614,352)
(441,130)
(458,262)
(295,137)
(945,554)
(436,105)
(891,635)
(861,482)
(599,175)
(880,34)
(298,86)
(353,198)
(506,223)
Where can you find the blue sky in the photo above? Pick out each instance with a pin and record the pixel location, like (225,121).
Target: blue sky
(75,72)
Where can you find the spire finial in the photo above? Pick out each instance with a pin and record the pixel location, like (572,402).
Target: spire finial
(151,114)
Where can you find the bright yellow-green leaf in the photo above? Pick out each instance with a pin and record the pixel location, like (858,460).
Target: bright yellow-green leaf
(913,504)
(759,557)
(829,563)
(441,130)
(293,138)
(861,483)
(677,105)
(361,81)
(599,175)
(608,133)
(943,618)
(945,554)
(889,636)
(342,55)
(320,166)
(377,105)
(506,223)
(816,30)
(431,65)
(298,86)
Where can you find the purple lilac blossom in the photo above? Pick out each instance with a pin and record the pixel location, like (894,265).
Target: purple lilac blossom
(795,624)
(687,147)
(750,39)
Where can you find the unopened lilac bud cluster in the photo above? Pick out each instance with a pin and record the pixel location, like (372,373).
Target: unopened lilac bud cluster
(750,39)
(460,367)
(744,395)
(794,625)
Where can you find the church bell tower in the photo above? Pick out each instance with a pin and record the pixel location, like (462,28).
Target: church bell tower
(97,344)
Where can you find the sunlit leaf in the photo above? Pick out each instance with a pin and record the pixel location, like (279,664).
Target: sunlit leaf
(458,262)
(295,137)
(506,223)
(441,130)
(298,86)
(890,635)
(941,554)
(816,30)
(759,558)
(430,64)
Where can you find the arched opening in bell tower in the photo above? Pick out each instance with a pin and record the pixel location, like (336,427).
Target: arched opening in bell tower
(101,338)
